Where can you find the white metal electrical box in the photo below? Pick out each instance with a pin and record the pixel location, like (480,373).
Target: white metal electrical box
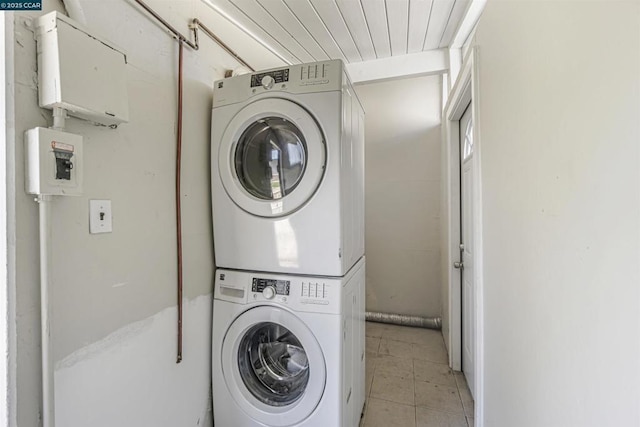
(80,72)
(53,162)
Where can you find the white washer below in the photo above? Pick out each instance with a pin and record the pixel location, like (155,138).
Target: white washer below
(288,350)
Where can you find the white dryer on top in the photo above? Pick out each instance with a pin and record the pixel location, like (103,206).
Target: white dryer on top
(287,169)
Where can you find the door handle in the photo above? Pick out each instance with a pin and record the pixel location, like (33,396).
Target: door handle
(458,265)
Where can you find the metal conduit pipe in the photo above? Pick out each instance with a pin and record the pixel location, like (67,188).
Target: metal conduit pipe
(197,24)
(168,26)
(48,391)
(405,320)
(194,26)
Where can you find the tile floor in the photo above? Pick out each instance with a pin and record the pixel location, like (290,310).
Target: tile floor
(409,383)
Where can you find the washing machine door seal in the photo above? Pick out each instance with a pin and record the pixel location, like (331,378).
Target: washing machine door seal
(273,366)
(272,157)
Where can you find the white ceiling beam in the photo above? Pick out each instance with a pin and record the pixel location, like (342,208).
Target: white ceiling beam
(411,65)
(471,17)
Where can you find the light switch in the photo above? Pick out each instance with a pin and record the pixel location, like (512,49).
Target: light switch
(100,216)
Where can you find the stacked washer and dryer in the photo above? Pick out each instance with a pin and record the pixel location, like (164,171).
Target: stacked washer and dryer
(288,217)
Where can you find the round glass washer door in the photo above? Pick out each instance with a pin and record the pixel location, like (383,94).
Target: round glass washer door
(272,157)
(275,373)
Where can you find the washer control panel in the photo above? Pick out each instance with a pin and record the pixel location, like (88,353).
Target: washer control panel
(271,286)
(310,294)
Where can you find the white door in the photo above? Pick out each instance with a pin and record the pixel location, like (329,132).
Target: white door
(467,246)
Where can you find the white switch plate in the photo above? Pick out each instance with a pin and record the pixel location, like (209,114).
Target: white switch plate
(100,216)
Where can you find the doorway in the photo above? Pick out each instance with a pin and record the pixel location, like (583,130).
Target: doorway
(462,223)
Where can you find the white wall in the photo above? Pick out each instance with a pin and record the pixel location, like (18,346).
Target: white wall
(560,164)
(402,182)
(7,383)
(105,285)
(120,380)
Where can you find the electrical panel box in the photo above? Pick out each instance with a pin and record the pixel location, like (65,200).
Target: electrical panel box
(53,162)
(80,72)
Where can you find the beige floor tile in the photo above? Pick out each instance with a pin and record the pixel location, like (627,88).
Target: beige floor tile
(395,348)
(374,330)
(372,345)
(432,372)
(471,422)
(460,378)
(381,413)
(393,388)
(394,366)
(465,394)
(364,410)
(428,337)
(403,333)
(434,352)
(426,417)
(469,407)
(438,397)
(367,385)
(364,413)
(412,335)
(370,362)
(369,370)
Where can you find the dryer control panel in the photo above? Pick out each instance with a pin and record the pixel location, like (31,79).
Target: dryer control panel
(275,76)
(324,76)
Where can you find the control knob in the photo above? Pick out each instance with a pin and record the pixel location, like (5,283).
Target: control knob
(267,82)
(269,292)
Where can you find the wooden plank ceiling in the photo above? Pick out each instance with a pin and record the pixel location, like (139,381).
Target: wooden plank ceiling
(352,30)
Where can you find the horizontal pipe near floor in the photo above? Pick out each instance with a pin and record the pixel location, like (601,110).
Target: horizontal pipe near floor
(405,320)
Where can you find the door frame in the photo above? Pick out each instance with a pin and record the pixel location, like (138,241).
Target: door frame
(463,92)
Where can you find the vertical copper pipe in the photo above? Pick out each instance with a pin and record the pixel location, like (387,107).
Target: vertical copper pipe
(178,199)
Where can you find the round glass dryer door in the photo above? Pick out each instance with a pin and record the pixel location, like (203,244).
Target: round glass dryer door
(275,373)
(272,157)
